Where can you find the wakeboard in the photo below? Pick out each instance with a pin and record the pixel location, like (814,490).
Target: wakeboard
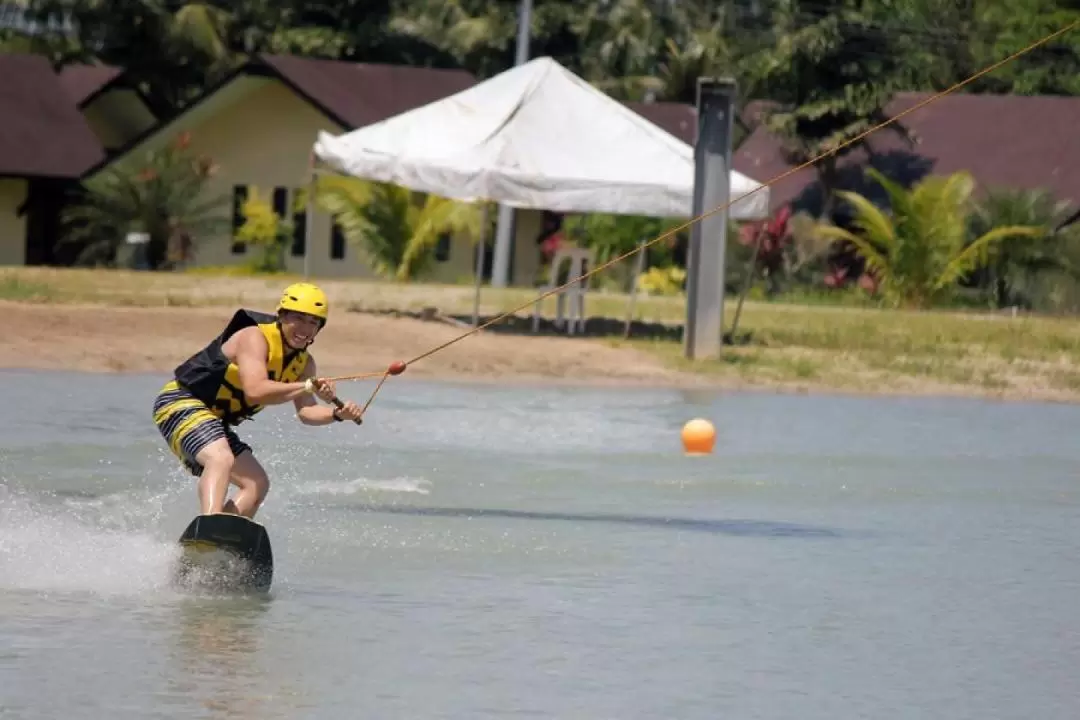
(225,552)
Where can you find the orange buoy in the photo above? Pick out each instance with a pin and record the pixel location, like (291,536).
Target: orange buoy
(698,437)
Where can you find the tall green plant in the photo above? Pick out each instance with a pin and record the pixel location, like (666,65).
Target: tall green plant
(395,228)
(1013,270)
(167,185)
(921,249)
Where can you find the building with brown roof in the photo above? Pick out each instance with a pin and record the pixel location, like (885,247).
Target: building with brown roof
(116,110)
(1004,141)
(46,145)
(258,126)
(260,123)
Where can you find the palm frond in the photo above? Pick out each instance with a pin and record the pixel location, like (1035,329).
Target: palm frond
(977,253)
(874,259)
(869,219)
(438,216)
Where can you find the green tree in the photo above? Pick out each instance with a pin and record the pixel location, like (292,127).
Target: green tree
(830,74)
(1050,69)
(172,50)
(921,249)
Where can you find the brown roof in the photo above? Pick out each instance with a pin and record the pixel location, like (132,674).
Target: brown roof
(42,132)
(1005,141)
(82,82)
(679,119)
(359,94)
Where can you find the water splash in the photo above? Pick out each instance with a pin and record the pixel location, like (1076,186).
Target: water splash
(79,545)
(360,485)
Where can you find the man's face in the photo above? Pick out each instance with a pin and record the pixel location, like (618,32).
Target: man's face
(298,329)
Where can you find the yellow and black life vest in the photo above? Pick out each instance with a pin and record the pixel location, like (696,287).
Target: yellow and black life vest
(211,377)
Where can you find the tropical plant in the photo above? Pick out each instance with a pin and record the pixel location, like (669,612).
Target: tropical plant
(610,236)
(1013,271)
(919,250)
(165,188)
(395,228)
(264,229)
(662,281)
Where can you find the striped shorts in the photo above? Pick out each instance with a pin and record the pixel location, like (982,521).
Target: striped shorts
(188,426)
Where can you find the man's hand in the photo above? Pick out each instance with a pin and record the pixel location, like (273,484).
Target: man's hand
(351,411)
(323,389)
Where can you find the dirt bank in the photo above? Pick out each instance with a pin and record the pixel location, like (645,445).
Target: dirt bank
(133,339)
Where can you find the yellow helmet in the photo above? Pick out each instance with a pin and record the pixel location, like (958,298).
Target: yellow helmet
(305,298)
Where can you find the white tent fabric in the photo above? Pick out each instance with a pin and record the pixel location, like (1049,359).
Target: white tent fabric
(536,136)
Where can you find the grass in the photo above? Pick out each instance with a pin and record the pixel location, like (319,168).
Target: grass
(879,350)
(840,347)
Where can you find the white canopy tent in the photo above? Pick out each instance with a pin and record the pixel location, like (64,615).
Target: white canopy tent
(536,136)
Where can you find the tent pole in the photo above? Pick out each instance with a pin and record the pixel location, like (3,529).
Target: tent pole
(506,228)
(480,245)
(639,267)
(309,214)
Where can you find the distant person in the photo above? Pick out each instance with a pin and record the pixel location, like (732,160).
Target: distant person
(258,360)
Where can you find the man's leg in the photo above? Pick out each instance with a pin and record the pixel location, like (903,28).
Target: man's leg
(198,438)
(251,478)
(216,462)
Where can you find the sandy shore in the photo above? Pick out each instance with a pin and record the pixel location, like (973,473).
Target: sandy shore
(114,339)
(132,339)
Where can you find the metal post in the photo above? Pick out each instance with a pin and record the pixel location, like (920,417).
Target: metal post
(481,249)
(505,225)
(703,335)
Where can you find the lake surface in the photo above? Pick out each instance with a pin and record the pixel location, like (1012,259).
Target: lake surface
(486,552)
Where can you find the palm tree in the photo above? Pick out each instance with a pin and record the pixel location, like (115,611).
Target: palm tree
(921,249)
(475,34)
(394,227)
(1013,271)
(167,189)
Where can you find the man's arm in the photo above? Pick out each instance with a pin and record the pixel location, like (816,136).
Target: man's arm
(259,389)
(309,411)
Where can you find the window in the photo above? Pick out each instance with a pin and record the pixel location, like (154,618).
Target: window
(442,248)
(337,243)
(299,235)
(240,194)
(281,202)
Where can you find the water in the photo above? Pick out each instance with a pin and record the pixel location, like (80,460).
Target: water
(483,552)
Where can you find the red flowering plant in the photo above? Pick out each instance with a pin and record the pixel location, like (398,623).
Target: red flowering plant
(771,238)
(164,190)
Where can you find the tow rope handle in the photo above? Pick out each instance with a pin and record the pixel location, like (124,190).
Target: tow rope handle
(396,368)
(309,384)
(340,406)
